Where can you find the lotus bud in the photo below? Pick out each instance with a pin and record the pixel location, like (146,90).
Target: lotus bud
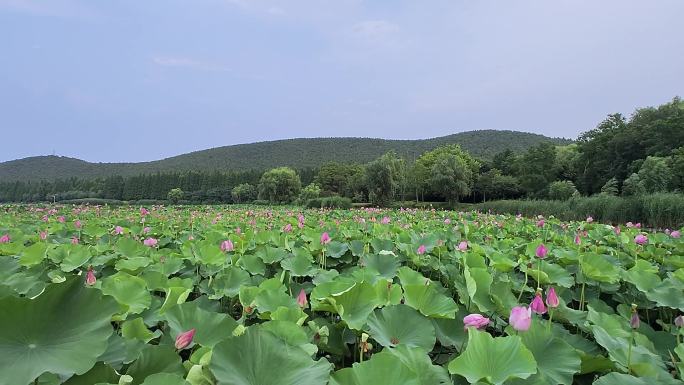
(520,318)
(552,298)
(184,339)
(475,320)
(679,321)
(541,251)
(537,304)
(301,299)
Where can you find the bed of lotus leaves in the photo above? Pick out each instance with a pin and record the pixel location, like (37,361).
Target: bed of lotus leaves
(96,295)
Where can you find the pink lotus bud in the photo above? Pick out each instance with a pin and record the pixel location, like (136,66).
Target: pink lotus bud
(43,235)
(552,298)
(74,241)
(151,242)
(227,246)
(5,238)
(640,239)
(78,224)
(421,250)
(325,238)
(634,322)
(90,277)
(143,211)
(679,321)
(61,219)
(463,246)
(617,230)
(537,304)
(676,234)
(118,230)
(578,240)
(638,225)
(447,221)
(287,228)
(520,318)
(184,339)
(475,320)
(385,220)
(146,230)
(541,251)
(301,299)
(540,223)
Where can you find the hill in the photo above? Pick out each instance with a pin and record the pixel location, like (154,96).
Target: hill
(298,153)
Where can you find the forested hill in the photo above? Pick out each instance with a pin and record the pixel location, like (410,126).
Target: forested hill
(297,153)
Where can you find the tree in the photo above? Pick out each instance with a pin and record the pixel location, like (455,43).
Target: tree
(655,174)
(677,166)
(632,186)
(243,193)
(537,168)
(493,185)
(382,177)
(312,191)
(504,161)
(451,177)
(610,188)
(174,195)
(280,185)
(562,190)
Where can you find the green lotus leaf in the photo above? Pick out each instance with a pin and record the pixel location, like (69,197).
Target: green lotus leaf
(401,325)
(210,328)
(428,301)
(175,295)
(478,283)
(270,300)
(495,360)
(355,305)
(33,254)
(382,368)
(155,359)
(626,379)
(132,264)
(200,375)
(388,293)
(450,332)
(557,361)
(300,264)
(121,351)
(598,268)
(130,291)
(99,373)
(418,361)
(386,265)
(62,331)
(165,379)
(229,280)
(253,264)
(291,333)
(129,248)
(336,249)
(271,255)
(289,314)
(643,275)
(76,256)
(668,293)
(137,330)
(260,358)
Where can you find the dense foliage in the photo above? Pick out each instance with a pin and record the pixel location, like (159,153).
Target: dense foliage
(215,295)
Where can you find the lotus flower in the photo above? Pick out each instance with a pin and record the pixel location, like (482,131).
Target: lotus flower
(301,299)
(61,219)
(590,219)
(146,230)
(520,318)
(578,240)
(287,228)
(90,277)
(463,246)
(540,223)
(676,234)
(43,235)
(325,238)
(541,251)
(421,250)
(144,211)
(634,322)
(151,242)
(118,230)
(447,221)
(640,239)
(74,241)
(537,304)
(385,220)
(78,224)
(679,321)
(617,230)
(227,246)
(184,339)
(552,298)
(475,320)
(5,238)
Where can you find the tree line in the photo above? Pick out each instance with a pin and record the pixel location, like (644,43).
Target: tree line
(621,156)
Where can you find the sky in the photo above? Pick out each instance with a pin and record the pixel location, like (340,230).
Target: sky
(132,80)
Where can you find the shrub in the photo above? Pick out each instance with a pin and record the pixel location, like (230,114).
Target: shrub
(562,190)
(329,202)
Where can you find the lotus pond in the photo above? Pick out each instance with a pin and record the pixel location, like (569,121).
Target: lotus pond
(255,296)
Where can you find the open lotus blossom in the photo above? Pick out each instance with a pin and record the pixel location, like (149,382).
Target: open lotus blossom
(551,298)
(151,242)
(421,250)
(118,230)
(676,234)
(301,299)
(74,241)
(146,230)
(640,239)
(325,238)
(679,321)
(463,246)
(5,238)
(590,219)
(541,251)
(385,220)
(184,339)
(43,235)
(537,304)
(520,318)
(227,245)
(90,277)
(447,221)
(144,211)
(475,320)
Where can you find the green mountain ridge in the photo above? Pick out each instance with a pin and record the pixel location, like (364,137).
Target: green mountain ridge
(297,153)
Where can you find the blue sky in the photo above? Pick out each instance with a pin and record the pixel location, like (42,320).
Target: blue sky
(134,80)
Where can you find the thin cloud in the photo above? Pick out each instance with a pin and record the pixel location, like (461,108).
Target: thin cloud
(375,30)
(189,63)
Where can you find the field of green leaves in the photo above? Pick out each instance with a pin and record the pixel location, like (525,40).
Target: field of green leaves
(246,296)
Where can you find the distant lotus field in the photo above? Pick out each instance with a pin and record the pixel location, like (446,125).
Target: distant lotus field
(255,296)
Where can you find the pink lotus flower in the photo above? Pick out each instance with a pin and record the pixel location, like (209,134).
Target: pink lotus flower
(629,224)
(617,230)
(640,239)
(78,224)
(447,221)
(385,220)
(590,219)
(74,241)
(227,246)
(520,318)
(638,225)
(146,230)
(5,238)
(475,320)
(552,298)
(325,238)
(61,219)
(540,223)
(151,242)
(287,228)
(421,250)
(537,304)
(635,322)
(463,246)
(184,339)
(144,211)
(43,235)
(676,234)
(679,321)
(578,240)
(118,230)
(90,277)
(541,251)
(301,299)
